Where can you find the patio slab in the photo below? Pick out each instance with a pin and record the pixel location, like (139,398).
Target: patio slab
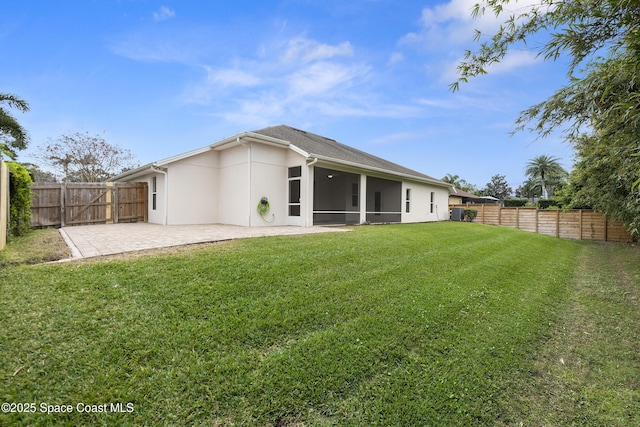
(107,239)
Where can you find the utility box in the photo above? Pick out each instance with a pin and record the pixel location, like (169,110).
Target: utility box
(456,214)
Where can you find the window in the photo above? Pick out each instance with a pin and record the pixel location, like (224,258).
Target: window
(295,172)
(295,175)
(408,200)
(154,195)
(433,199)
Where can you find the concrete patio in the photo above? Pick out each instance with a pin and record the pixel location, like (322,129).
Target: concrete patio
(97,240)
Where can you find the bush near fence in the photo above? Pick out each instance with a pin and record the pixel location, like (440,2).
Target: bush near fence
(577,224)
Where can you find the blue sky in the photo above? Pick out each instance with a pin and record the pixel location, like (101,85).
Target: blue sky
(164,77)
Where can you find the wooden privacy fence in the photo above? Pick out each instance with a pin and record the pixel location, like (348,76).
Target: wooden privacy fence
(569,224)
(60,205)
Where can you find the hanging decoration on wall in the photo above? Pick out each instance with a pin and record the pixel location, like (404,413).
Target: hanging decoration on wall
(263,209)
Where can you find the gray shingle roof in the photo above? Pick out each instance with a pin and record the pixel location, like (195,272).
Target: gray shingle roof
(317,145)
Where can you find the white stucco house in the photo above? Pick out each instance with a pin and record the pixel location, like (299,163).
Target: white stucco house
(285,176)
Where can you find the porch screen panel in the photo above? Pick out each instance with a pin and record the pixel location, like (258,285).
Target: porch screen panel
(333,197)
(384,200)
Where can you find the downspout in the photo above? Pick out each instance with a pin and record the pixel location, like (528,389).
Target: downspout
(166,193)
(309,209)
(248,145)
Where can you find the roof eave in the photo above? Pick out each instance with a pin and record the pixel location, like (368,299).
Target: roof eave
(133,173)
(248,136)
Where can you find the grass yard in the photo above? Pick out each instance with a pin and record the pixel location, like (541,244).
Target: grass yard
(451,324)
(36,247)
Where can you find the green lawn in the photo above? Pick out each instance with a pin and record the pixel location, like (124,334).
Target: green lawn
(425,324)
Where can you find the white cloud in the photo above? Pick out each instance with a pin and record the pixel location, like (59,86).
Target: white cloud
(163,14)
(448,29)
(395,58)
(513,60)
(322,77)
(231,77)
(305,50)
(274,81)
(307,76)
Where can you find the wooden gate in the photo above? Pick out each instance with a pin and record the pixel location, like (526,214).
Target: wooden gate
(60,205)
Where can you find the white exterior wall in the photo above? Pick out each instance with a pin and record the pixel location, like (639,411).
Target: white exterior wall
(420,210)
(233,182)
(193,189)
(269,179)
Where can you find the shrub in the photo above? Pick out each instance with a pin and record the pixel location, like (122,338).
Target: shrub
(470,214)
(548,204)
(515,202)
(19,199)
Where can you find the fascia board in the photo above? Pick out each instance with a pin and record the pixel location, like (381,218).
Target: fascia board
(299,151)
(133,173)
(182,156)
(160,163)
(251,136)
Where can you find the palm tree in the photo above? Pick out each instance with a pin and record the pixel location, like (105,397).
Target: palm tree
(12,135)
(457,182)
(452,179)
(544,167)
(530,189)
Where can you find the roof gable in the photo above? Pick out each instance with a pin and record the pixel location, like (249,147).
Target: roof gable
(317,145)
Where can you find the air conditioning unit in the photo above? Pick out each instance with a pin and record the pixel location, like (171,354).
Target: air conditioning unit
(456,214)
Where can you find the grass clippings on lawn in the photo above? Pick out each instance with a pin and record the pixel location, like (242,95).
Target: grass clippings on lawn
(423,324)
(588,372)
(36,247)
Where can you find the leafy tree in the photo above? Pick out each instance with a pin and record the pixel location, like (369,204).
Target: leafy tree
(547,169)
(603,180)
(459,183)
(497,187)
(39,175)
(19,199)
(598,110)
(12,135)
(81,157)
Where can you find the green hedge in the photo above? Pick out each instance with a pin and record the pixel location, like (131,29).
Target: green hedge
(515,202)
(548,204)
(19,199)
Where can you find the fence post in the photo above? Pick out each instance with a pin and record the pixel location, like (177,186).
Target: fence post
(63,214)
(108,201)
(558,223)
(116,207)
(580,224)
(606,232)
(518,218)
